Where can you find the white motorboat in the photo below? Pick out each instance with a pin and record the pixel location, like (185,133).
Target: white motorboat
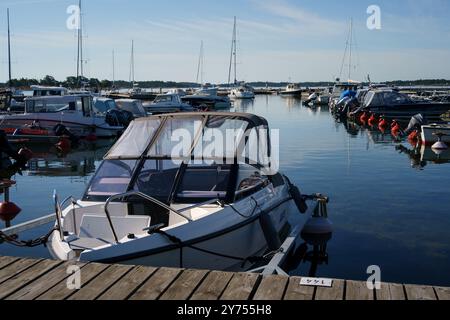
(75,112)
(431,132)
(242,92)
(167,103)
(292,89)
(208,98)
(148,204)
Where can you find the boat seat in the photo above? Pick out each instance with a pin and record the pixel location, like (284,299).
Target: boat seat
(98,227)
(87,243)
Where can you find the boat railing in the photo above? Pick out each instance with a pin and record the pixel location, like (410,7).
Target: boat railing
(141,195)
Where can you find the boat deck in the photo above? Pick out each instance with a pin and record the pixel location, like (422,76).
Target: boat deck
(42,279)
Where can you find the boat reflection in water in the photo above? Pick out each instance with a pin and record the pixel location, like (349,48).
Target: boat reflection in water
(244,105)
(422,156)
(81,161)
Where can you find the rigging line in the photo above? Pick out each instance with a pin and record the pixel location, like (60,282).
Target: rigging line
(345,55)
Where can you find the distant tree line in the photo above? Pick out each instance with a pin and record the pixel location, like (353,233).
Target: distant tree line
(73,82)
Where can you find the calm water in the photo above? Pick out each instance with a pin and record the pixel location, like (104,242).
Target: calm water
(390,203)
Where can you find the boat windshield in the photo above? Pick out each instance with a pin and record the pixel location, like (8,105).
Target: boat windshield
(103,106)
(164,98)
(113,177)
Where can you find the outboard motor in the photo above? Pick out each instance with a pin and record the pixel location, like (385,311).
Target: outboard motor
(118,118)
(61,130)
(416,123)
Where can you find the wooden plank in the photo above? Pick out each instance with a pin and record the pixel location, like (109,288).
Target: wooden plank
(357,290)
(156,285)
(101,283)
(61,291)
(390,291)
(126,286)
(295,291)
(442,293)
(240,287)
(45,283)
(213,286)
(16,268)
(336,292)
(22,279)
(420,293)
(271,288)
(183,287)
(6,261)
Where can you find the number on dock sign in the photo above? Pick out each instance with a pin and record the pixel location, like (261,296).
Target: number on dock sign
(317,282)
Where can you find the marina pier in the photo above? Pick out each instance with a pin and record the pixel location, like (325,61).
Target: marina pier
(42,279)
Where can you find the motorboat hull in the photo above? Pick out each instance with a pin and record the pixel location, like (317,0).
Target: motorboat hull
(429,131)
(78,127)
(293,93)
(216,242)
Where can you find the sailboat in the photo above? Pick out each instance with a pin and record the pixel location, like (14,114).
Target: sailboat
(207,96)
(240,90)
(339,86)
(136,92)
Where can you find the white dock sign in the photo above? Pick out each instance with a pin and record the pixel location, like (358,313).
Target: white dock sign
(317,282)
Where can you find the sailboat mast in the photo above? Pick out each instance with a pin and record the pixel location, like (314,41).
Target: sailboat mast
(114,69)
(350,55)
(80,72)
(200,65)
(233,55)
(9,48)
(235,51)
(132,64)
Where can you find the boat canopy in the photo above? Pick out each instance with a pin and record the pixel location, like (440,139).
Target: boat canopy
(378,98)
(196,136)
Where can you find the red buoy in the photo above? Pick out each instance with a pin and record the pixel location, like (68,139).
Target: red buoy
(91,137)
(364,118)
(64,145)
(373,120)
(383,125)
(414,136)
(395,128)
(8,211)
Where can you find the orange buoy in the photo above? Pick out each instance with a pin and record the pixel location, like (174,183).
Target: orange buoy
(383,125)
(414,136)
(395,128)
(364,117)
(373,120)
(8,211)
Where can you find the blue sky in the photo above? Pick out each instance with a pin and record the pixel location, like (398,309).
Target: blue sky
(301,40)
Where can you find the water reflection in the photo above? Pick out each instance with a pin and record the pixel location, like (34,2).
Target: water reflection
(422,156)
(244,105)
(48,161)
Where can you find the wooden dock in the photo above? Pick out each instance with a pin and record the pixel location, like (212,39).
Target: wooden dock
(41,279)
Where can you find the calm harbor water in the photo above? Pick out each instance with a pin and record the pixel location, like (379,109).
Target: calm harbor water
(390,202)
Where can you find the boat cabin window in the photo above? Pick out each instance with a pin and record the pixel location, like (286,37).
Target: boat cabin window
(395,98)
(113,177)
(87,106)
(202,183)
(163,99)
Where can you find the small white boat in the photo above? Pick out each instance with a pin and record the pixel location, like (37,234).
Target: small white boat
(429,133)
(75,112)
(242,92)
(147,205)
(207,97)
(292,89)
(167,103)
